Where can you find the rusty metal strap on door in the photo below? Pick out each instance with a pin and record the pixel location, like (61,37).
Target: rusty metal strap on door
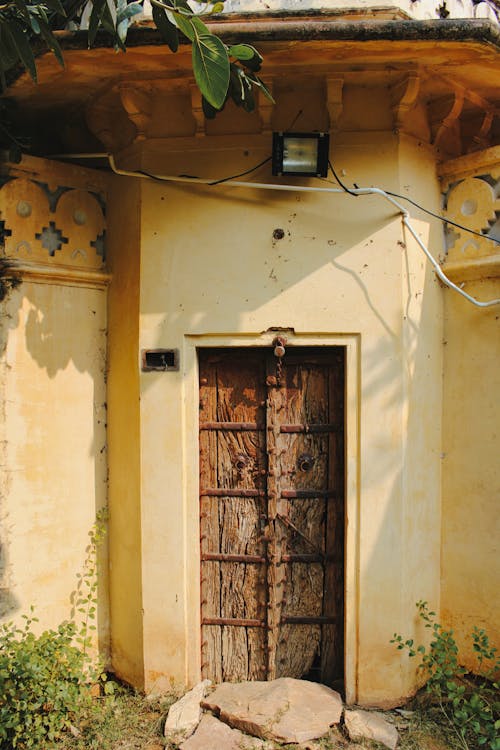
(221,557)
(309,428)
(311,558)
(233,426)
(231,492)
(237,622)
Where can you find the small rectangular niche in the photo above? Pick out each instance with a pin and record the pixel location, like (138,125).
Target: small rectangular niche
(162,360)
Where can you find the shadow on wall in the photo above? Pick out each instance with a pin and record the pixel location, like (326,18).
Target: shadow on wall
(215,259)
(8,601)
(352,272)
(53,340)
(53,372)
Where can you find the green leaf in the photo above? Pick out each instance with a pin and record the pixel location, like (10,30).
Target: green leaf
(248,55)
(190,26)
(22,46)
(132,9)
(258,82)
(217,7)
(209,111)
(184,24)
(240,89)
(51,41)
(167,30)
(98,8)
(241,51)
(211,68)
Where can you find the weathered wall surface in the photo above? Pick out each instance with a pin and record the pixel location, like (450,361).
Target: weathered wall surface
(213,273)
(200,266)
(52,389)
(471,409)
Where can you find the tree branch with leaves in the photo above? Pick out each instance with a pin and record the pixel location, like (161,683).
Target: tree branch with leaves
(221,72)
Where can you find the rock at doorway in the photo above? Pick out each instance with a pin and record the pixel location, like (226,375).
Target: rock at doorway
(283,710)
(213,734)
(184,715)
(371,725)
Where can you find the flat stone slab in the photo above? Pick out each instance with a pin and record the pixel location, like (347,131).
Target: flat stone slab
(371,725)
(184,715)
(283,710)
(213,734)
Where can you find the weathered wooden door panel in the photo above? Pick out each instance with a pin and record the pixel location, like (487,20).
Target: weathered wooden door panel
(233,473)
(272,527)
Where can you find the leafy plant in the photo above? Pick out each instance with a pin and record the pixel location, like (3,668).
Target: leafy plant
(220,71)
(45,679)
(84,598)
(471,703)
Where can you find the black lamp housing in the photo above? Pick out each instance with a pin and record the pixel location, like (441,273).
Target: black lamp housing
(301,154)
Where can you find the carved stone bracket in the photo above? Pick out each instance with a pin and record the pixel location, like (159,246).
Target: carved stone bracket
(138,104)
(444,114)
(481,139)
(404,96)
(110,122)
(100,122)
(334,100)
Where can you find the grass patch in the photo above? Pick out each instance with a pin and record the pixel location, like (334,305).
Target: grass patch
(125,720)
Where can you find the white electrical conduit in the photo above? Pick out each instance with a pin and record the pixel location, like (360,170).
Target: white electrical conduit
(304,189)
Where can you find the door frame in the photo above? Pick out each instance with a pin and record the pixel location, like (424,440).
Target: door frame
(190,448)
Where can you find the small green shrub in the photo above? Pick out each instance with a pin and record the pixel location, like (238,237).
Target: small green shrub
(470,703)
(45,679)
(42,683)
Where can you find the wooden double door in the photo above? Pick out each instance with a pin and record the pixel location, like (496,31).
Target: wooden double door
(272,513)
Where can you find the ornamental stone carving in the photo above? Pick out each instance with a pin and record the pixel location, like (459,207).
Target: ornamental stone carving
(473,203)
(64,227)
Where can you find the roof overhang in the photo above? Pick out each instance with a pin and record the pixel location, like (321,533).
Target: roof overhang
(450,57)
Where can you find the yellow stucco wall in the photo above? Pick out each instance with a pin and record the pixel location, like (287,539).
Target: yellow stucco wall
(471,487)
(471,411)
(53,331)
(212,274)
(196,266)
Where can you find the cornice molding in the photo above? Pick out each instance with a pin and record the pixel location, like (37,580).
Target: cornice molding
(41,273)
(487,267)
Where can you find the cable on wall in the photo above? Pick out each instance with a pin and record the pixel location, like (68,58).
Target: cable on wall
(351,191)
(309,189)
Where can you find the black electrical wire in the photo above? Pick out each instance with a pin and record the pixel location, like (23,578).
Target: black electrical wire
(442,218)
(417,205)
(215,182)
(344,187)
(242,174)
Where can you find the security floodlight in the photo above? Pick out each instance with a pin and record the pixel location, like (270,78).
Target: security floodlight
(303,154)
